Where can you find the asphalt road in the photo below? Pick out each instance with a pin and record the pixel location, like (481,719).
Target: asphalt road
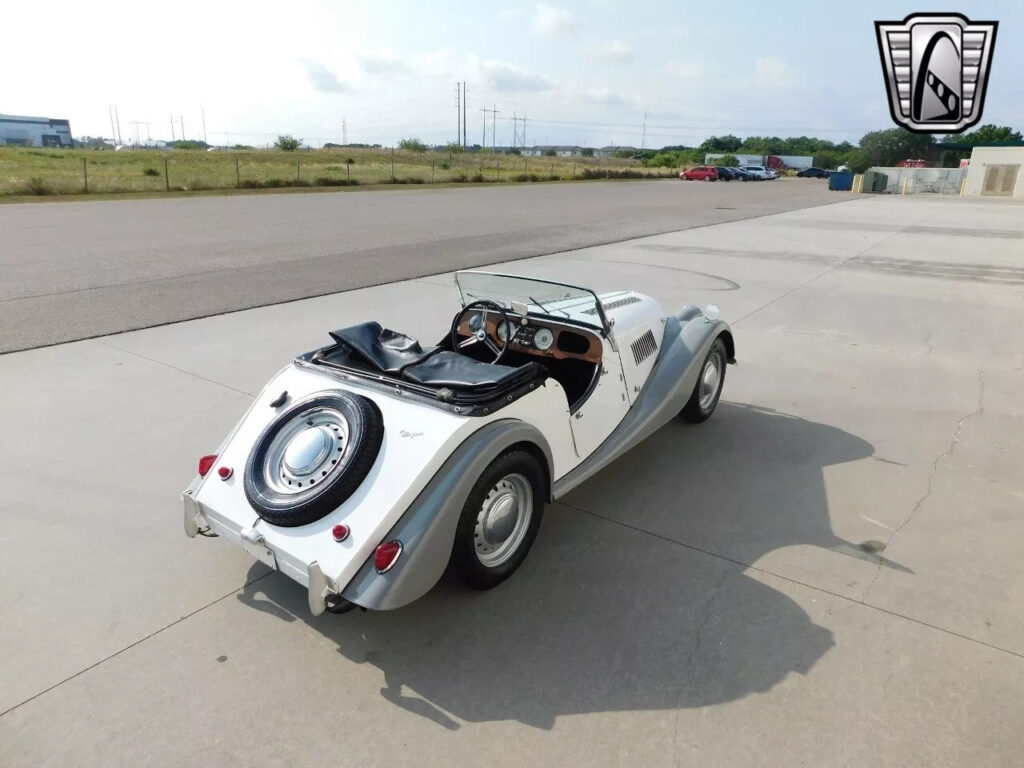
(78,270)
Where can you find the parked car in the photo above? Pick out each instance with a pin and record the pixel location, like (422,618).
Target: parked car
(742,175)
(365,467)
(726,174)
(813,173)
(700,173)
(759,172)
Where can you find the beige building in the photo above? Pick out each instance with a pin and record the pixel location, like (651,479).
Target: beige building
(996,171)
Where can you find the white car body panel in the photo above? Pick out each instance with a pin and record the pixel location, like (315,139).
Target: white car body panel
(416,438)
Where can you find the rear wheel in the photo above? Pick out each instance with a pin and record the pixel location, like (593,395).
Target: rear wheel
(708,388)
(499,521)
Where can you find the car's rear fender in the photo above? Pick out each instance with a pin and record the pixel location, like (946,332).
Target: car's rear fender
(427,529)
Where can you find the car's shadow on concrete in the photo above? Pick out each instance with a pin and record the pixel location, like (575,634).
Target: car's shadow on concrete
(606,616)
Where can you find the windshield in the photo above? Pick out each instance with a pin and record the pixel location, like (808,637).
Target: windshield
(541,296)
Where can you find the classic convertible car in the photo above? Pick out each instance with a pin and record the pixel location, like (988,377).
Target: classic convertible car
(366,467)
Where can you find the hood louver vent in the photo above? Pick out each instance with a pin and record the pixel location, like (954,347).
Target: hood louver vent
(613,304)
(644,347)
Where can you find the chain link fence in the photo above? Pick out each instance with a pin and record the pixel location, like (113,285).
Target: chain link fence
(66,172)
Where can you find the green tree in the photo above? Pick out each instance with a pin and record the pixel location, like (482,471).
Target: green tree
(988,134)
(287,143)
(587,152)
(886,148)
(727,143)
(728,160)
(455,147)
(412,144)
(549,153)
(828,158)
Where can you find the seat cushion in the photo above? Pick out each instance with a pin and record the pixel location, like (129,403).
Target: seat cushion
(455,371)
(383,349)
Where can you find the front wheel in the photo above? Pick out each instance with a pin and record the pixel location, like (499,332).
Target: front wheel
(708,388)
(500,520)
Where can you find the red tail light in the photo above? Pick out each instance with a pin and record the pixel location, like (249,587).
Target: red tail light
(205,464)
(386,556)
(340,532)
(225,472)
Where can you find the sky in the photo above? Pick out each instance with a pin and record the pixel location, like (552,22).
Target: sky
(586,72)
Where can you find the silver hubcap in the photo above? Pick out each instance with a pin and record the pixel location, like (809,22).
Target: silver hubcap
(309,449)
(503,520)
(710,378)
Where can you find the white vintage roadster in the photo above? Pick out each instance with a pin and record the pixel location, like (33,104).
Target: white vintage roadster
(365,468)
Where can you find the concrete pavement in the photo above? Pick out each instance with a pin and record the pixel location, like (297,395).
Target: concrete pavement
(825,573)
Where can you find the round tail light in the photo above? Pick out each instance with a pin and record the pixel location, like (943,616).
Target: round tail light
(386,556)
(340,532)
(225,472)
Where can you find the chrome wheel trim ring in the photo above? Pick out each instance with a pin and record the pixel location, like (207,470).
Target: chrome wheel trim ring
(503,520)
(710,381)
(306,452)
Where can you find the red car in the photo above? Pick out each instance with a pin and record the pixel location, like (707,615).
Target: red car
(700,173)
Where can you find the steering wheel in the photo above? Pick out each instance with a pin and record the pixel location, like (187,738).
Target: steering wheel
(481,336)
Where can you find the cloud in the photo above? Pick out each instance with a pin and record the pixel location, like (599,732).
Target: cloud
(382,62)
(511,79)
(604,95)
(323,79)
(615,51)
(553,21)
(773,72)
(685,68)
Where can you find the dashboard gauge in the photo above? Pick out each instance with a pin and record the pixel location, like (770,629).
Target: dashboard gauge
(503,331)
(476,323)
(543,339)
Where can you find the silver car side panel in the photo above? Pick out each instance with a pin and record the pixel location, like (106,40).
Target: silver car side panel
(688,337)
(427,529)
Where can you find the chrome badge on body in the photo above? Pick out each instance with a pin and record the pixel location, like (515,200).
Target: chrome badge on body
(936,69)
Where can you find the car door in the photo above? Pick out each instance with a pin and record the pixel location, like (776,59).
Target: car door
(604,409)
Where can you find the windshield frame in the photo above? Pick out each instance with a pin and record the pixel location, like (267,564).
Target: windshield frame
(604,326)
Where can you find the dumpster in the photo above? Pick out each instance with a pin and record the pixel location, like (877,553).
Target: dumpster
(841,180)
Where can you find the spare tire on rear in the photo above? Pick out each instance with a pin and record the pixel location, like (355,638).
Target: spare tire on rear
(313,457)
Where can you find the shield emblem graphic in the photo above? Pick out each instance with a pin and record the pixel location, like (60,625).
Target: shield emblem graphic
(936,69)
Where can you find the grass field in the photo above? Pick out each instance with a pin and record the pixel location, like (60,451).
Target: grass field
(26,171)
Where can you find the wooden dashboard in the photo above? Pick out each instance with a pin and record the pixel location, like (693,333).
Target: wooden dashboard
(570,342)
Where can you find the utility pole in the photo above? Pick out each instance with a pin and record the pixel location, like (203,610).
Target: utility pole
(113,132)
(202,115)
(515,130)
(458,113)
(643,140)
(182,121)
(483,139)
(524,130)
(494,126)
(344,131)
(173,138)
(118,119)
(463,113)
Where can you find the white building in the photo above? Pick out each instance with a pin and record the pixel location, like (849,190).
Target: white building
(34,132)
(996,171)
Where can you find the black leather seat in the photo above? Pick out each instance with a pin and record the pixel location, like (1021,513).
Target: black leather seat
(455,371)
(383,349)
(368,345)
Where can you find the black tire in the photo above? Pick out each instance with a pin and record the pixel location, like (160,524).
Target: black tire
(465,556)
(693,411)
(326,491)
